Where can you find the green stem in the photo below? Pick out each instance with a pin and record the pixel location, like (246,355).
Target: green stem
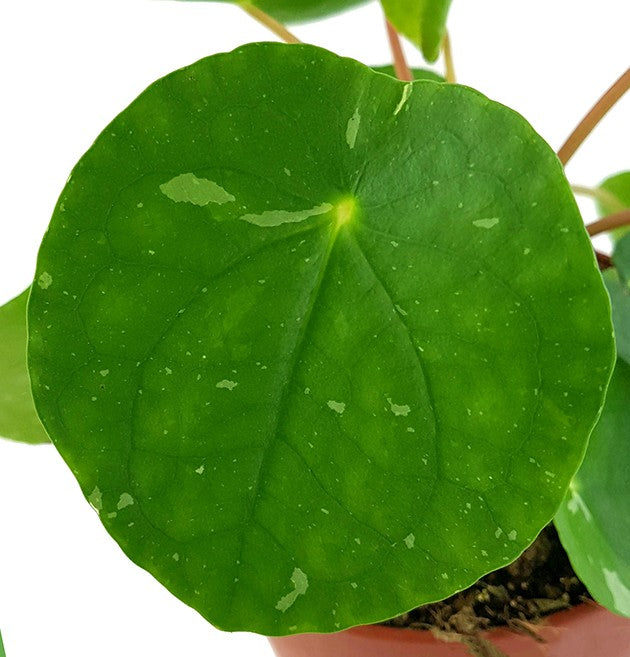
(448,59)
(602,195)
(271,23)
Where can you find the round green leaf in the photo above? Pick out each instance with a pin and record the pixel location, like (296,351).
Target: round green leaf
(18,419)
(319,345)
(418,73)
(295,11)
(594,521)
(423,22)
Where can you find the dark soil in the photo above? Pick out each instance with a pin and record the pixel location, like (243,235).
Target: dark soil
(538,583)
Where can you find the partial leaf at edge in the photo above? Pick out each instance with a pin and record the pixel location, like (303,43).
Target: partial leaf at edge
(621,259)
(423,22)
(594,521)
(618,189)
(315,350)
(18,419)
(619,292)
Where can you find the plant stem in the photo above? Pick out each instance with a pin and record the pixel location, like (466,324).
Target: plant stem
(271,23)
(448,59)
(597,113)
(610,222)
(604,261)
(403,72)
(602,195)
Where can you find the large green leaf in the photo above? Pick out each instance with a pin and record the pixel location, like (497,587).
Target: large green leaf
(18,419)
(292,11)
(422,21)
(319,345)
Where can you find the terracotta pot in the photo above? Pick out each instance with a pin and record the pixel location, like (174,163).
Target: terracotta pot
(584,631)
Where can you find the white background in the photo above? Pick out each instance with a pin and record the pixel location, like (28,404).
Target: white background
(67,68)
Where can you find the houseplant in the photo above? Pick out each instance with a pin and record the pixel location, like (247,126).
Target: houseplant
(349,127)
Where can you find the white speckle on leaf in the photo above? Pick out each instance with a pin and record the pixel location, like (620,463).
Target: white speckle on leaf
(486,223)
(352,129)
(272,218)
(526,251)
(104,373)
(187,188)
(326,511)
(410,541)
(200,469)
(407,89)
(226,384)
(576,503)
(620,592)
(512,535)
(300,584)
(498,533)
(353,585)
(95,498)
(338,407)
(176,557)
(124,501)
(399,409)
(45,280)
(444,575)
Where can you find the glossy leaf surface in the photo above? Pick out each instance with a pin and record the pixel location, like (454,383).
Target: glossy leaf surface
(317,349)
(18,419)
(423,22)
(292,11)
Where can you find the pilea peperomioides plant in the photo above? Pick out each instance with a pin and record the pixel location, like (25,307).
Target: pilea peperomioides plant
(283,290)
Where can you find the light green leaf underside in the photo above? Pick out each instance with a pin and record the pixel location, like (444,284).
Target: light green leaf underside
(327,421)
(594,521)
(619,292)
(423,22)
(418,73)
(617,188)
(295,11)
(18,419)
(621,258)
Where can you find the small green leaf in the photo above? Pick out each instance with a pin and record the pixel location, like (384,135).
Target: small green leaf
(594,521)
(2,653)
(423,22)
(18,419)
(617,189)
(418,73)
(356,387)
(296,11)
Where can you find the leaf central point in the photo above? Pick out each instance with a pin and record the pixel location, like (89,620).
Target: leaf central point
(346,210)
